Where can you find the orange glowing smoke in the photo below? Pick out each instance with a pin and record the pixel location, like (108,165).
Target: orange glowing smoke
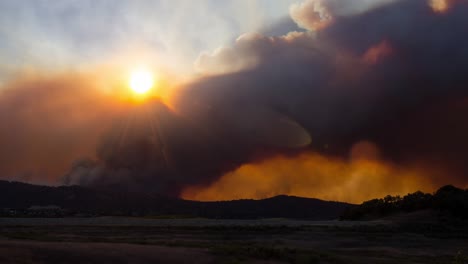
(439,6)
(377,53)
(47,123)
(313,175)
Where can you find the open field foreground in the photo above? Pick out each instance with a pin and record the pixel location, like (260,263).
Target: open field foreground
(139,240)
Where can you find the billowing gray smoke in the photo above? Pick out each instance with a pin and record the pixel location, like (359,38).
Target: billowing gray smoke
(395,75)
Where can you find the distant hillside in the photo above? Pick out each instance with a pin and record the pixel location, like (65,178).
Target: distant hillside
(74,200)
(448,201)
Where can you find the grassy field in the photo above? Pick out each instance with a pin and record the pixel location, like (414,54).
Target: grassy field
(143,240)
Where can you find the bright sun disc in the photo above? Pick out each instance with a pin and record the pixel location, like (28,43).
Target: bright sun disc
(141,81)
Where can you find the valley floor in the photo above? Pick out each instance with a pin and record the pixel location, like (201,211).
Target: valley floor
(143,240)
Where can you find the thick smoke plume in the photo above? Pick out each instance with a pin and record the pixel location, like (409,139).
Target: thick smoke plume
(48,122)
(314,175)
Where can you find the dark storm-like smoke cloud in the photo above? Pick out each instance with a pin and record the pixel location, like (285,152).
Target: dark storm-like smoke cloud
(394,75)
(155,149)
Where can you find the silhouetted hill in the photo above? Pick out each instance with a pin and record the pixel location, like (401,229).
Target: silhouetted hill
(75,200)
(279,206)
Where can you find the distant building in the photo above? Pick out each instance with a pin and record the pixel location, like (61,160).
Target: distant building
(44,211)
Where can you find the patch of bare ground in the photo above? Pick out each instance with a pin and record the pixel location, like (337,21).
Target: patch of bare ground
(26,252)
(232,242)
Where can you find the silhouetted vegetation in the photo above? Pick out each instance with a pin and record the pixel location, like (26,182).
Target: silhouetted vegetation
(448,200)
(460,258)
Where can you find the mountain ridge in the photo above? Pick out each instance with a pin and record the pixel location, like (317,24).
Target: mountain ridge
(93,201)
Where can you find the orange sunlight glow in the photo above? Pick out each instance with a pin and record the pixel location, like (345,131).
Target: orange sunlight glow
(134,85)
(141,81)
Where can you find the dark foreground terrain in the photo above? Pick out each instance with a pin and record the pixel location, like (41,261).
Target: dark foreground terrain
(143,240)
(66,225)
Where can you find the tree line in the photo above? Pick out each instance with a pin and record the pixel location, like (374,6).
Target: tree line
(448,200)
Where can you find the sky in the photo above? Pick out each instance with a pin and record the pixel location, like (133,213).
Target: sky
(76,34)
(332,99)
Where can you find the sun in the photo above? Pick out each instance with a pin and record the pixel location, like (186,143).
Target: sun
(141,81)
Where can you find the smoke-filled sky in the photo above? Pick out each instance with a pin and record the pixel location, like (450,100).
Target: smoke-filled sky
(333,99)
